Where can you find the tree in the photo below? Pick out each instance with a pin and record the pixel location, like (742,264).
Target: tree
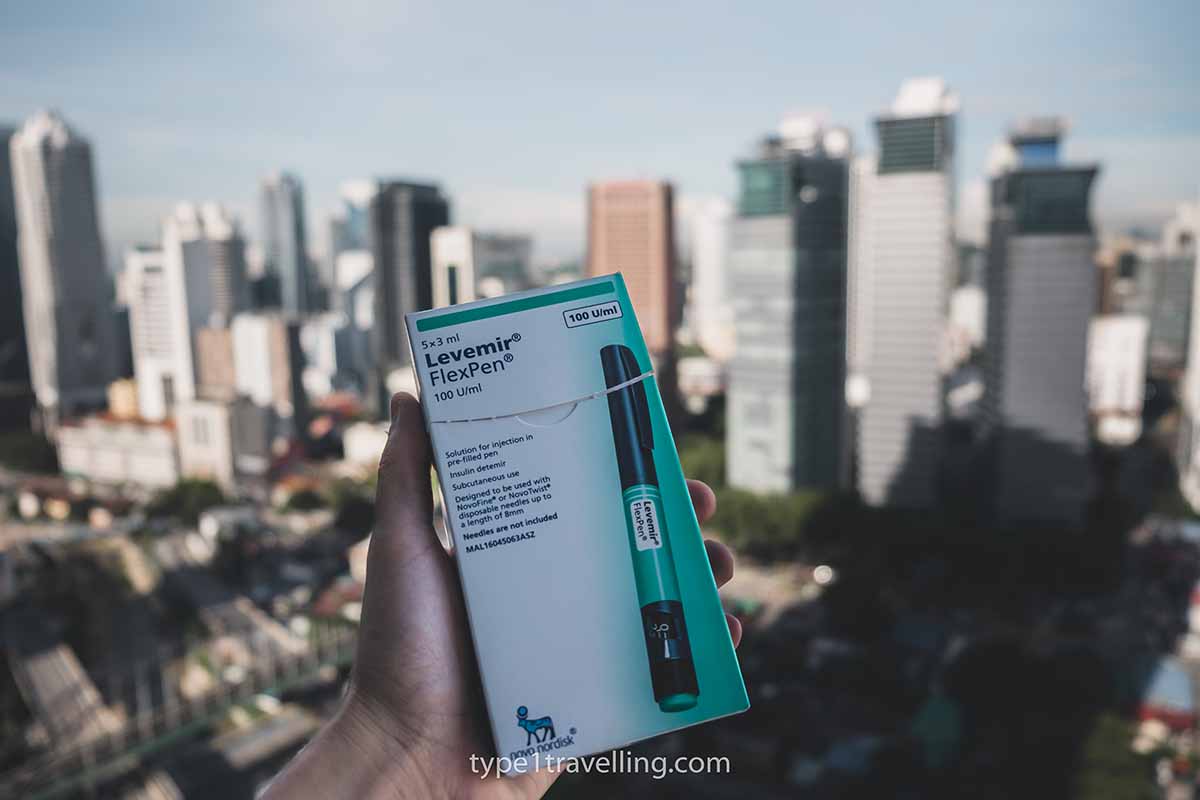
(186,500)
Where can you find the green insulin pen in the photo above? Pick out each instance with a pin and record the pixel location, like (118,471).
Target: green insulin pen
(672,672)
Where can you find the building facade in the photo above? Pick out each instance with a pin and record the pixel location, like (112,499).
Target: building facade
(901,297)
(710,315)
(786,398)
(119,452)
(285,245)
(65,291)
(16,391)
(631,230)
(473,265)
(403,218)
(1041,295)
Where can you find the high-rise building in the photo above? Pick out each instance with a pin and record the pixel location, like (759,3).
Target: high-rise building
(1041,294)
(471,265)
(349,230)
(403,217)
(710,315)
(631,230)
(786,401)
(16,392)
(197,280)
(1116,376)
(901,296)
(1186,240)
(285,246)
(268,364)
(152,332)
(66,293)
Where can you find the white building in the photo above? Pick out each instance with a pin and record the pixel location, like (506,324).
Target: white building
(900,309)
(1188,457)
(206,442)
(119,452)
(966,328)
(268,362)
(1041,279)
(1116,376)
(66,297)
(710,315)
(471,265)
(198,279)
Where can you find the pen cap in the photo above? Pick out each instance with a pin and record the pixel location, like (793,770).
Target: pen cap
(630,413)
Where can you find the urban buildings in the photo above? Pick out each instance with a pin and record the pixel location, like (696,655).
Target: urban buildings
(349,230)
(1041,294)
(16,393)
(710,315)
(285,246)
(901,284)
(111,451)
(403,217)
(631,230)
(1116,376)
(1188,445)
(268,364)
(231,443)
(197,280)
(786,398)
(66,296)
(472,265)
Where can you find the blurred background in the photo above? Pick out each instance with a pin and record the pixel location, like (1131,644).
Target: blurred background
(919,284)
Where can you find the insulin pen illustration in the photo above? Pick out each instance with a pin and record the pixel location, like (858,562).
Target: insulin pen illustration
(672,671)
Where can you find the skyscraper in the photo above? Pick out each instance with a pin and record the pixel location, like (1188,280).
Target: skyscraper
(1188,445)
(471,265)
(285,246)
(349,230)
(631,230)
(788,288)
(710,315)
(403,217)
(910,236)
(65,288)
(1041,294)
(16,393)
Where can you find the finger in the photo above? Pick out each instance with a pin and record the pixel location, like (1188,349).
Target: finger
(404,494)
(720,558)
(703,499)
(735,628)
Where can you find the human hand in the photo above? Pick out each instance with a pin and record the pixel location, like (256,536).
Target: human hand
(414,713)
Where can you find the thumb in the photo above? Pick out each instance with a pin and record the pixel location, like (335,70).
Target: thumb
(404,494)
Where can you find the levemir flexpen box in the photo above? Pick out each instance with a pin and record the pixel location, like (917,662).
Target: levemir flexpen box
(592,604)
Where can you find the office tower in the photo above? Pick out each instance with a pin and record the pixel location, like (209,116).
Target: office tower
(216,378)
(1041,294)
(16,392)
(196,280)
(1116,376)
(268,364)
(472,265)
(403,217)
(152,331)
(788,290)
(910,240)
(285,246)
(710,315)
(349,229)
(631,230)
(65,291)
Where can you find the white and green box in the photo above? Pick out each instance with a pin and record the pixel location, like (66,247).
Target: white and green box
(592,604)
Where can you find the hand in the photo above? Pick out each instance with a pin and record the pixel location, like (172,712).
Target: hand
(414,714)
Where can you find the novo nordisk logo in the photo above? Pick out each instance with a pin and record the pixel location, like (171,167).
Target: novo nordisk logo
(539,734)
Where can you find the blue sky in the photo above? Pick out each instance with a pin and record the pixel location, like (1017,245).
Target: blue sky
(513,107)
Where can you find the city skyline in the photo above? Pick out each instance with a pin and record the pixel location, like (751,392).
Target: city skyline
(338,98)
